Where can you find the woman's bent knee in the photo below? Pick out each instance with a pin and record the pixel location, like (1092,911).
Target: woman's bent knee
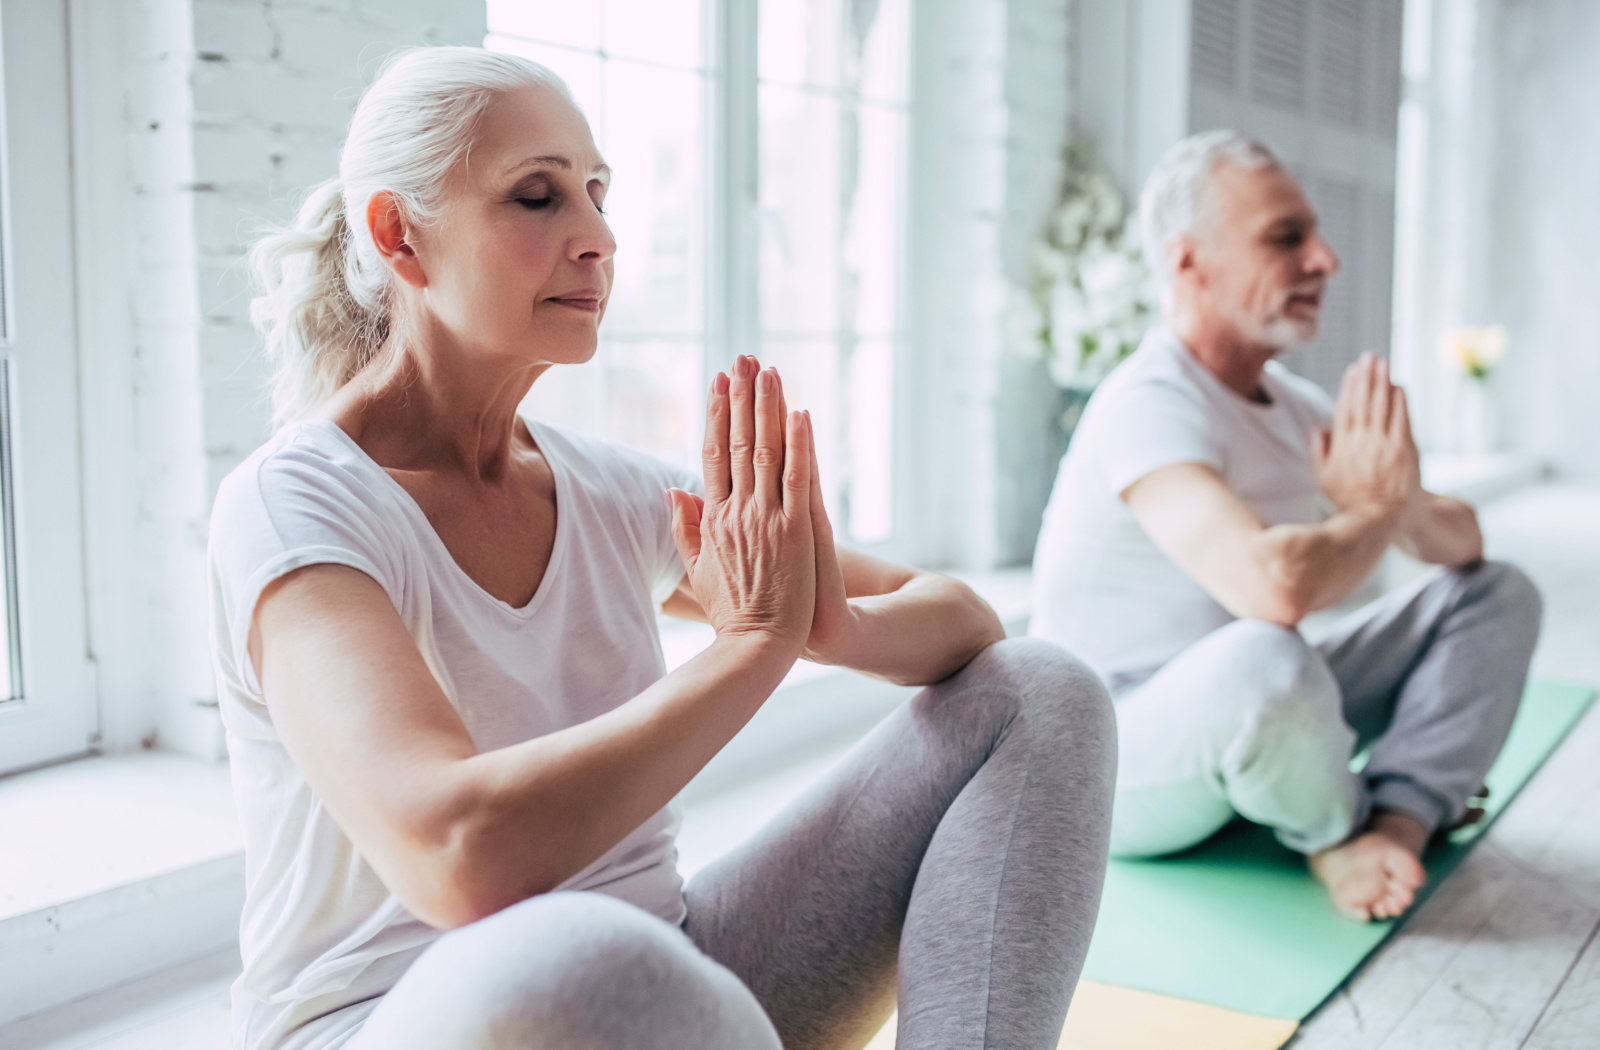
(568,969)
(1057,692)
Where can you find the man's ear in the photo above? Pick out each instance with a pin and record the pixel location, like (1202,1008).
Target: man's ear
(387,223)
(1183,260)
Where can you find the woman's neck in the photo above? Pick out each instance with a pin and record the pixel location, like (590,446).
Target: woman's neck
(427,407)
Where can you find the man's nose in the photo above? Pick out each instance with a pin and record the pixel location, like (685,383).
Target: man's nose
(1322,258)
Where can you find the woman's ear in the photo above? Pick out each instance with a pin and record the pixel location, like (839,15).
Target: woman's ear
(389,228)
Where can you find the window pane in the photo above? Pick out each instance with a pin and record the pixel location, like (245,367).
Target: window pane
(798,42)
(574,25)
(665,31)
(869,485)
(653,400)
(581,72)
(800,197)
(656,206)
(874,195)
(884,26)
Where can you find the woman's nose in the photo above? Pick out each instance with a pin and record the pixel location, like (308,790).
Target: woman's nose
(594,243)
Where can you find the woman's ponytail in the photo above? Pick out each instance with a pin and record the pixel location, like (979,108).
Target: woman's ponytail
(324,307)
(319,331)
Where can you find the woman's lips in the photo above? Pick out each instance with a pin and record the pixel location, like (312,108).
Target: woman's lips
(588,304)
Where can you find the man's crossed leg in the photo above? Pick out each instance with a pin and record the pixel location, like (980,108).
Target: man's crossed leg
(1254,721)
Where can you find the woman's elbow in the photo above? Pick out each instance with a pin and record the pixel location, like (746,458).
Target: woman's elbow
(457,872)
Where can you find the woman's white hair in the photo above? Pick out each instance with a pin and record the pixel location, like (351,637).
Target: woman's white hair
(1176,196)
(325,303)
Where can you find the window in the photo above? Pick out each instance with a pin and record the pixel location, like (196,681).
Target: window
(688,103)
(46,689)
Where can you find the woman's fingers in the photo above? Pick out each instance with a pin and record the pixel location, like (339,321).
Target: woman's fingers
(742,426)
(714,454)
(821,527)
(797,466)
(769,451)
(686,509)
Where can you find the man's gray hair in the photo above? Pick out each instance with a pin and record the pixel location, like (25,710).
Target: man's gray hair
(1176,194)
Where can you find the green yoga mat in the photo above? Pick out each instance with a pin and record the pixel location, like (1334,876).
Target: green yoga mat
(1238,923)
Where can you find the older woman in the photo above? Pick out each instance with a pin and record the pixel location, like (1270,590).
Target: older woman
(454,747)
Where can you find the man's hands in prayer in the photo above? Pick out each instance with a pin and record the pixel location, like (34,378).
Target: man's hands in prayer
(1369,459)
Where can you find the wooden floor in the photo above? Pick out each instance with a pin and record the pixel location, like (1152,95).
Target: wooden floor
(1504,956)
(1505,953)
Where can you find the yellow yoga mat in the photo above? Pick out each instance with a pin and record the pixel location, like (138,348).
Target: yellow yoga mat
(1104,1017)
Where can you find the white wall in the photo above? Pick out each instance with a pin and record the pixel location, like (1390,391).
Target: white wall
(991,83)
(1541,256)
(195,121)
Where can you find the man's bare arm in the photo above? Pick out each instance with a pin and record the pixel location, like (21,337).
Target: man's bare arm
(1440,530)
(1367,465)
(1278,573)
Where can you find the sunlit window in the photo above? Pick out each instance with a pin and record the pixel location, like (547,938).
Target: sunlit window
(833,115)
(636,68)
(825,273)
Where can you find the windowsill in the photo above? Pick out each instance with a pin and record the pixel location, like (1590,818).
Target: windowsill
(77,829)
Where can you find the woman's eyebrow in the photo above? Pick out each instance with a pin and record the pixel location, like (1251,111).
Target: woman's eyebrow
(554,161)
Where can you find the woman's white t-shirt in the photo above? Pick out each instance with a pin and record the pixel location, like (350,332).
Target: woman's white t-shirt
(320,931)
(1102,587)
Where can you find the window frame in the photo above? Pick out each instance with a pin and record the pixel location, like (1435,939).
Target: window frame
(56,715)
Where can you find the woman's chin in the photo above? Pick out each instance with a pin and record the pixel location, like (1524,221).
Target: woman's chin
(566,351)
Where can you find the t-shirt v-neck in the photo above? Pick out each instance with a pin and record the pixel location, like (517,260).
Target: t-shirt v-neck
(557,544)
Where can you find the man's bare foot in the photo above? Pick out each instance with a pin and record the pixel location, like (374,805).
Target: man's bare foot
(1376,874)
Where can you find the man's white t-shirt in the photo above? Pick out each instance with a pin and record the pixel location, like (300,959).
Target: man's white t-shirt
(1102,588)
(320,931)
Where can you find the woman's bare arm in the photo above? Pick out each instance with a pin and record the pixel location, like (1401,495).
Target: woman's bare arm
(907,626)
(455,834)
(458,835)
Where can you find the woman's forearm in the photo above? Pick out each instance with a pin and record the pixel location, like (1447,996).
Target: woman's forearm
(523,819)
(923,632)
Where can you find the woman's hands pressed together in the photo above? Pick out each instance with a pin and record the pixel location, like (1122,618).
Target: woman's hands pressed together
(750,547)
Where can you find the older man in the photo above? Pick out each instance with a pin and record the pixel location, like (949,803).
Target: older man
(1211,499)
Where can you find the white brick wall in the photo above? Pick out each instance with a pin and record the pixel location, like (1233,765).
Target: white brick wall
(273,86)
(202,119)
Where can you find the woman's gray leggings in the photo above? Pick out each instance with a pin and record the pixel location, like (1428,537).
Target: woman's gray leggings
(955,857)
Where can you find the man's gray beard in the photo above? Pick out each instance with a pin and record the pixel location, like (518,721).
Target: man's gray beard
(1286,333)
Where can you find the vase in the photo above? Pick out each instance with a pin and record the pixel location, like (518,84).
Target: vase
(1479,421)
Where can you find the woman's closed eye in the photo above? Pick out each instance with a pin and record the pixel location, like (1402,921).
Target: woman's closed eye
(537,203)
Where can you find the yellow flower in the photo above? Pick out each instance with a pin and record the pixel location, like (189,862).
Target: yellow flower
(1474,350)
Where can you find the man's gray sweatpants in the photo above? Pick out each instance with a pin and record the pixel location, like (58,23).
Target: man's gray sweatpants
(954,859)
(1252,720)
